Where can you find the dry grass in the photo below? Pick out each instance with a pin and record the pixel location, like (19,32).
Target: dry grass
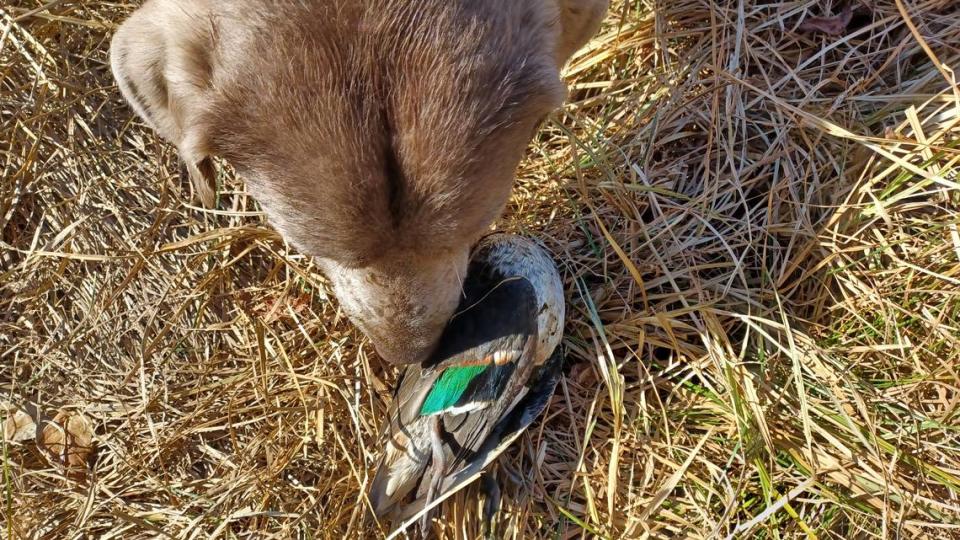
(759,234)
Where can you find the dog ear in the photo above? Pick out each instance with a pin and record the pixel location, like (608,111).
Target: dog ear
(160,58)
(579,21)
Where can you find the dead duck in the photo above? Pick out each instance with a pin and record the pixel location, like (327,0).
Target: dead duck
(492,374)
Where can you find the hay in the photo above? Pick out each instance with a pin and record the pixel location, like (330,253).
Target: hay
(758,226)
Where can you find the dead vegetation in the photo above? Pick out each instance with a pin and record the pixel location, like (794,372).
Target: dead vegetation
(756,206)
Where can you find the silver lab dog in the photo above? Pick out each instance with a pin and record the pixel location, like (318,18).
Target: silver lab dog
(379,136)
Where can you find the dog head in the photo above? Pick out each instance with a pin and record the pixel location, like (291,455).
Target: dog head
(379,136)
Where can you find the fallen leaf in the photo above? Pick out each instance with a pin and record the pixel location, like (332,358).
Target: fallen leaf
(68,439)
(833,26)
(18,427)
(272,309)
(300,303)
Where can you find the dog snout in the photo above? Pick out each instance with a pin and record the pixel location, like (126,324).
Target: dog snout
(400,353)
(402,306)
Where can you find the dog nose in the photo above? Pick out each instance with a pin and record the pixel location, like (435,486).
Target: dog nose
(403,354)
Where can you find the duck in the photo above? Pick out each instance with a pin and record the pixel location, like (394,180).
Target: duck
(491,375)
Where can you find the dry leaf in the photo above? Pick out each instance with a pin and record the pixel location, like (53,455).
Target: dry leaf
(68,439)
(272,308)
(833,26)
(18,427)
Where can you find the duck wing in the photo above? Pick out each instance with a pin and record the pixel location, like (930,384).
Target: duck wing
(542,384)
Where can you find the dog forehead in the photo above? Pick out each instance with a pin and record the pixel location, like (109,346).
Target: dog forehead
(363,54)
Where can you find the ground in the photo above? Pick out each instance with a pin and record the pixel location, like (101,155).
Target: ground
(755,206)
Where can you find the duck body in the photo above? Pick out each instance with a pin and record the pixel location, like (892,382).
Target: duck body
(493,372)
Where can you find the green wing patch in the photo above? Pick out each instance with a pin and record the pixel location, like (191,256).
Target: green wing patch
(449,388)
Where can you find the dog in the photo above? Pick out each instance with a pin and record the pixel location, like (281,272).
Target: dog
(381,137)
